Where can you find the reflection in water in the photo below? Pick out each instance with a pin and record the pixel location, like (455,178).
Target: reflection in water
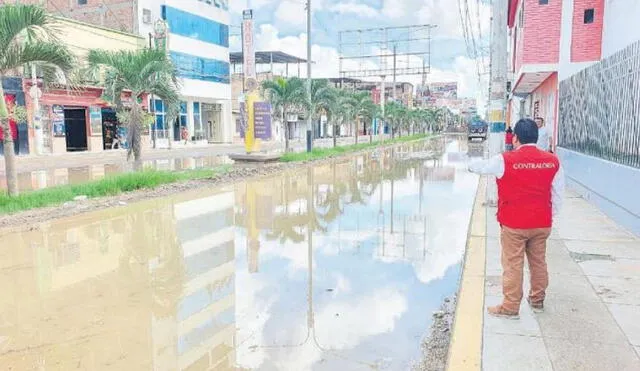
(332,267)
(50,178)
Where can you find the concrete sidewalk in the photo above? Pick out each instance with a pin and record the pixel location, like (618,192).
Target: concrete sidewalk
(179,150)
(592,311)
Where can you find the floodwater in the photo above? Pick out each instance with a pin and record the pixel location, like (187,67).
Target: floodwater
(337,266)
(35,180)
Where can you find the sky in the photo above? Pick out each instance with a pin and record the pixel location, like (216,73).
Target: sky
(281,25)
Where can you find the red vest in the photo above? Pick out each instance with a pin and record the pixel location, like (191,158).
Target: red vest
(524,191)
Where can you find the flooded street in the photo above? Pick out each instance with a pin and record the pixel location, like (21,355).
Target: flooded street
(338,266)
(40,179)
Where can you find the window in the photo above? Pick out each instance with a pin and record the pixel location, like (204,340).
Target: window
(160,113)
(146,16)
(197,68)
(196,27)
(82,2)
(197,121)
(589,15)
(183,114)
(543,2)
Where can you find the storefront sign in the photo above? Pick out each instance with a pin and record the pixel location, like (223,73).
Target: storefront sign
(95,118)
(262,112)
(248,51)
(57,120)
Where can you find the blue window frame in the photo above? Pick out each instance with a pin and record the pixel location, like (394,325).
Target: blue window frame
(198,68)
(195,27)
(160,113)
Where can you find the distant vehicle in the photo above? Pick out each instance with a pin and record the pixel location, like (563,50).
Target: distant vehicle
(478,129)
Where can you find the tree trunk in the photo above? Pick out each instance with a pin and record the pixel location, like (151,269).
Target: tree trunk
(9,153)
(357,124)
(335,135)
(134,135)
(285,124)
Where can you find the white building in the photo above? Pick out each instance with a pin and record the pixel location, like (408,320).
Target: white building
(199,46)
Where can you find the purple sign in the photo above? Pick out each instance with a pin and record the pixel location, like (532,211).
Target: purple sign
(262,121)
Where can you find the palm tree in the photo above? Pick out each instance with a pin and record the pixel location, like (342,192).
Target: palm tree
(285,95)
(362,106)
(27,37)
(339,110)
(321,98)
(143,72)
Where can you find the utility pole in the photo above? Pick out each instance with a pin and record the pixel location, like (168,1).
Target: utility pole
(395,57)
(309,123)
(498,86)
(37,119)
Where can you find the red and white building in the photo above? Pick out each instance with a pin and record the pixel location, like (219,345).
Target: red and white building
(551,40)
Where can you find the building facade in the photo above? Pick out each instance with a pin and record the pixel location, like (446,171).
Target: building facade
(198,45)
(549,40)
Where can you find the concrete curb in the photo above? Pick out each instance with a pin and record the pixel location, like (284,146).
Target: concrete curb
(465,350)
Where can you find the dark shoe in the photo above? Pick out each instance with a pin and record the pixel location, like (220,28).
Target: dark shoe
(536,306)
(499,311)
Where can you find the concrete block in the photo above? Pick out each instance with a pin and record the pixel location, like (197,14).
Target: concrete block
(526,325)
(617,290)
(627,317)
(616,249)
(587,355)
(618,268)
(514,352)
(577,320)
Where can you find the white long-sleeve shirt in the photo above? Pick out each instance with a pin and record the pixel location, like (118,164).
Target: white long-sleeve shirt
(495,166)
(544,139)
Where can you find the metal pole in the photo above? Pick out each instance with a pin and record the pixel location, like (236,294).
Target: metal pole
(395,50)
(309,123)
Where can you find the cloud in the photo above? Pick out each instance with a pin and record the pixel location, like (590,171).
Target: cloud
(294,13)
(362,10)
(237,6)
(443,13)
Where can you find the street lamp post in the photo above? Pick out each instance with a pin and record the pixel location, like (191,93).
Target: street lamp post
(309,123)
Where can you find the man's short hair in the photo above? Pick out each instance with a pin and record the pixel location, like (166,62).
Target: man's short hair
(527,131)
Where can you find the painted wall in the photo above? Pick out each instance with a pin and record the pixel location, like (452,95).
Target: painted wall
(80,37)
(621,19)
(586,38)
(566,67)
(542,23)
(615,194)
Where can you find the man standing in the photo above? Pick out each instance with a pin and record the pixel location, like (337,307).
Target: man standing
(530,187)
(544,137)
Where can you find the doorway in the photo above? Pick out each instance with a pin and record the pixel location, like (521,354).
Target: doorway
(212,120)
(75,122)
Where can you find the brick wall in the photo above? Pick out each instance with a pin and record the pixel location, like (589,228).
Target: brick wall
(586,39)
(115,14)
(542,24)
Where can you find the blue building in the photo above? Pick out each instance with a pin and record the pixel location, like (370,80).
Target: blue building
(199,47)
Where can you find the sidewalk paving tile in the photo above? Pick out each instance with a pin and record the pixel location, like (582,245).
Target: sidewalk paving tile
(617,290)
(617,250)
(588,355)
(628,317)
(526,325)
(514,352)
(563,287)
(607,268)
(577,320)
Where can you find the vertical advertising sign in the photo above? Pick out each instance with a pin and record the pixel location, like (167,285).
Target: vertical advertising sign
(248,51)
(262,124)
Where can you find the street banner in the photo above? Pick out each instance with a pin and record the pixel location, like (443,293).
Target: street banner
(248,51)
(57,120)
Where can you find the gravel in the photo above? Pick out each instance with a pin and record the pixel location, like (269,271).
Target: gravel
(435,347)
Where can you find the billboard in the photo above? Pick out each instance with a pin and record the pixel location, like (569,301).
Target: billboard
(434,91)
